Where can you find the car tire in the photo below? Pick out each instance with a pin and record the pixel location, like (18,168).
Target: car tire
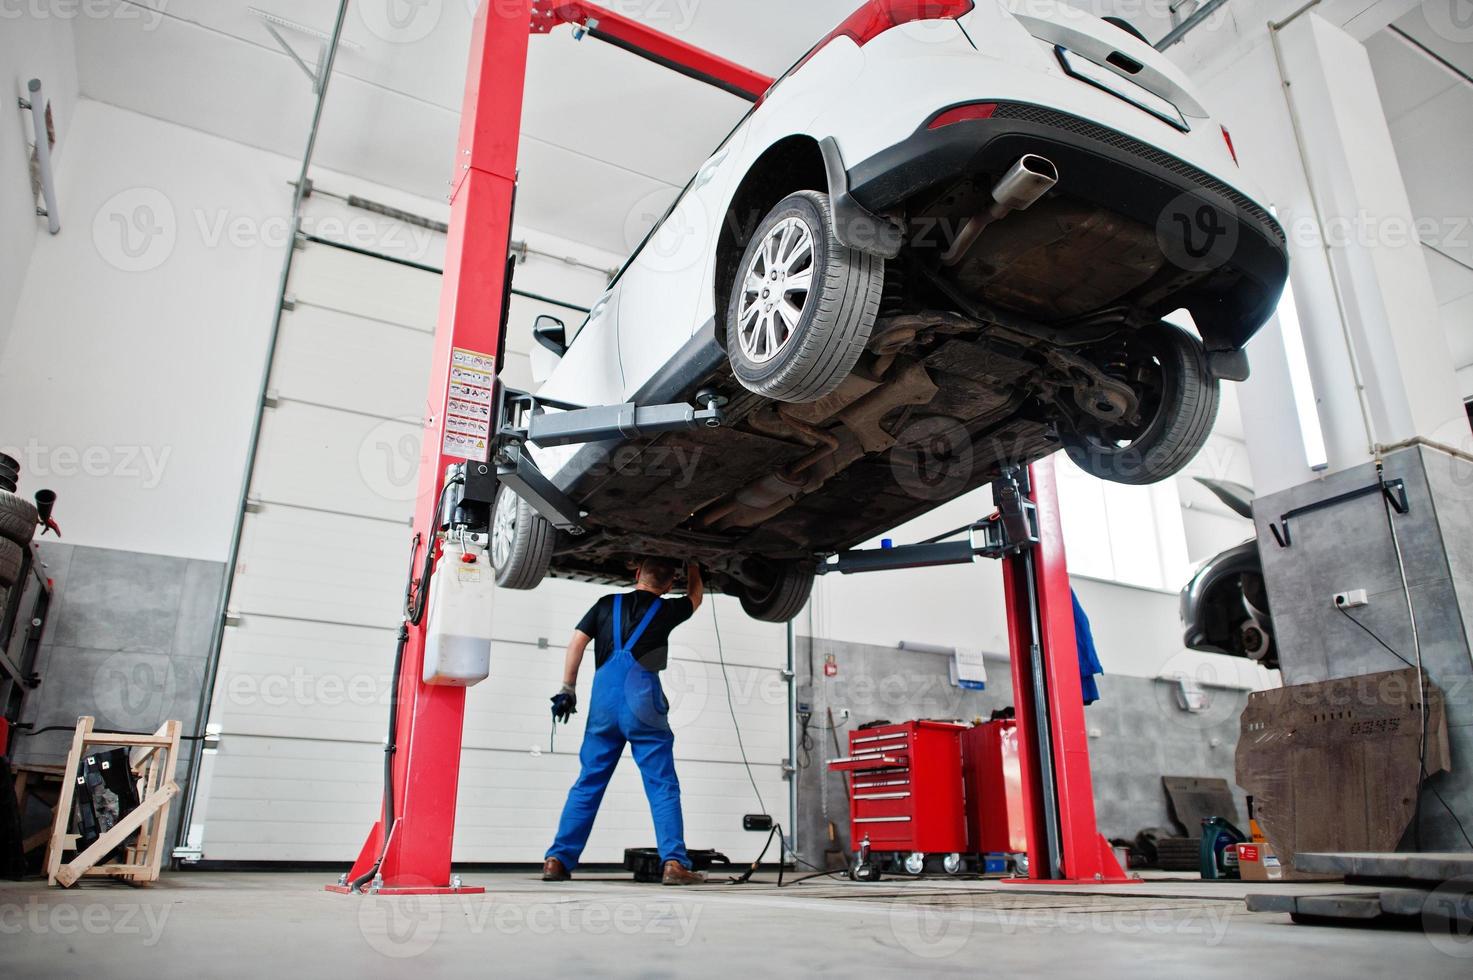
(822,343)
(783,597)
(1182,419)
(12,558)
(521,542)
(17,518)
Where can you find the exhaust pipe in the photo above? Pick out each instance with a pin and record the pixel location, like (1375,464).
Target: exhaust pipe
(1024,183)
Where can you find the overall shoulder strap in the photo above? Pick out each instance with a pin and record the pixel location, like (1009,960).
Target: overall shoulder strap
(644,623)
(618,621)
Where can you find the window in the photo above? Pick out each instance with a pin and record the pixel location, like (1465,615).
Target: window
(1131,535)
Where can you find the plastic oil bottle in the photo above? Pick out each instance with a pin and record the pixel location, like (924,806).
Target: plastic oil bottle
(1219,854)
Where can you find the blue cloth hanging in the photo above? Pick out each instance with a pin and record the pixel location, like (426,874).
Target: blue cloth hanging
(1089,658)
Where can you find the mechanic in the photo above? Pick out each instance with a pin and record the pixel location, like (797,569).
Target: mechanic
(630,633)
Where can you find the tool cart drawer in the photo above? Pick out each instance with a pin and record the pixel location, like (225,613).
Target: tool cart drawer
(905,787)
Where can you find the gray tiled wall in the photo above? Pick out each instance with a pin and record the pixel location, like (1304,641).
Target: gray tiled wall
(126,642)
(1138,732)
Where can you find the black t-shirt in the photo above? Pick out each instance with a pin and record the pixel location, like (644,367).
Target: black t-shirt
(652,650)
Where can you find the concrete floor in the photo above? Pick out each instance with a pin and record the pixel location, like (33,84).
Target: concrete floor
(273,926)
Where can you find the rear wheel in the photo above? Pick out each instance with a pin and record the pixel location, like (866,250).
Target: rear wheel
(521,542)
(803,305)
(1167,368)
(781,592)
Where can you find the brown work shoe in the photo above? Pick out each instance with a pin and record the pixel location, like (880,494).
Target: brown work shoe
(553,870)
(678,874)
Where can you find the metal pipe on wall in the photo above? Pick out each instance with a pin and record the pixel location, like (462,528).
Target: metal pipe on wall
(37,105)
(212,664)
(1190,24)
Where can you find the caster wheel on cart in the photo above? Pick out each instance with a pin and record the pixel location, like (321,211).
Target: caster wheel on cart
(952,864)
(1020,862)
(915,863)
(865,872)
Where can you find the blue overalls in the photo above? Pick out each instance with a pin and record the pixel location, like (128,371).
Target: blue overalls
(628,705)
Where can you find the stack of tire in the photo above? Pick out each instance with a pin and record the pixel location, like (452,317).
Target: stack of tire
(17,524)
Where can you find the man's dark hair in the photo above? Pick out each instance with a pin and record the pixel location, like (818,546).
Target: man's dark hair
(663,569)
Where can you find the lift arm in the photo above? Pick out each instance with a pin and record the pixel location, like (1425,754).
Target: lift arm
(651,45)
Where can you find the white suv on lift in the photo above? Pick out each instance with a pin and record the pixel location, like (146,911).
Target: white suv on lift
(944,242)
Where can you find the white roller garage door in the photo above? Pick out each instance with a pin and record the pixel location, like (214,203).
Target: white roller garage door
(303,689)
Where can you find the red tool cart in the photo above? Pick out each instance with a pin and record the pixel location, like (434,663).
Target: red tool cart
(905,796)
(993,776)
(934,795)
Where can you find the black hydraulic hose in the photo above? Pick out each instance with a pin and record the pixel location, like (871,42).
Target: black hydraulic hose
(389,748)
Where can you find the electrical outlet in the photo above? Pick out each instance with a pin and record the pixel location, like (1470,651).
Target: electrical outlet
(1352,598)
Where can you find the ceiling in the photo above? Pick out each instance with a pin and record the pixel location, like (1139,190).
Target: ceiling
(598,165)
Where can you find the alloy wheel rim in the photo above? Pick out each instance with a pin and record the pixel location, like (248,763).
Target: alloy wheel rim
(775,290)
(504,528)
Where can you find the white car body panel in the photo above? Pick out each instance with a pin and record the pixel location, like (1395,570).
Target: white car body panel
(868,99)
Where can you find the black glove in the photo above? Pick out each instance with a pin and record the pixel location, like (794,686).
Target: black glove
(564,704)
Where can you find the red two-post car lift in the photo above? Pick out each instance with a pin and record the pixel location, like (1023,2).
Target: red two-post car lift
(408,851)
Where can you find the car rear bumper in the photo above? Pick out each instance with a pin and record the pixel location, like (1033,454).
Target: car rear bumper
(1233,241)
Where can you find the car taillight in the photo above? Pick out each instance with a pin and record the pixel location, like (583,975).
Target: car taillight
(964,113)
(878,16)
(1228,139)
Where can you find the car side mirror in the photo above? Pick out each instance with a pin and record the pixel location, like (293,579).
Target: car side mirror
(551,334)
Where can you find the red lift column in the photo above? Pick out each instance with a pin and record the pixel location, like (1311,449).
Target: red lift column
(1064,844)
(428,731)
(426,765)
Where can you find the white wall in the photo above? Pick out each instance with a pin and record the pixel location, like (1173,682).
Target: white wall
(1429,109)
(130,377)
(30,47)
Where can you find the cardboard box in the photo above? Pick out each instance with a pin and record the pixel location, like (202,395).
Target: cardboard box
(1258,862)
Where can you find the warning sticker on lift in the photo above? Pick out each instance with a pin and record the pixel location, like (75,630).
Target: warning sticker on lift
(468,405)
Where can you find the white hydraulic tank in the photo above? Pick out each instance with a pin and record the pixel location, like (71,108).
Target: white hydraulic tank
(458,639)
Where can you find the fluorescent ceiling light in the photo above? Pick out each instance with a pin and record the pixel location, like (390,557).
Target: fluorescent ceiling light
(1305,403)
